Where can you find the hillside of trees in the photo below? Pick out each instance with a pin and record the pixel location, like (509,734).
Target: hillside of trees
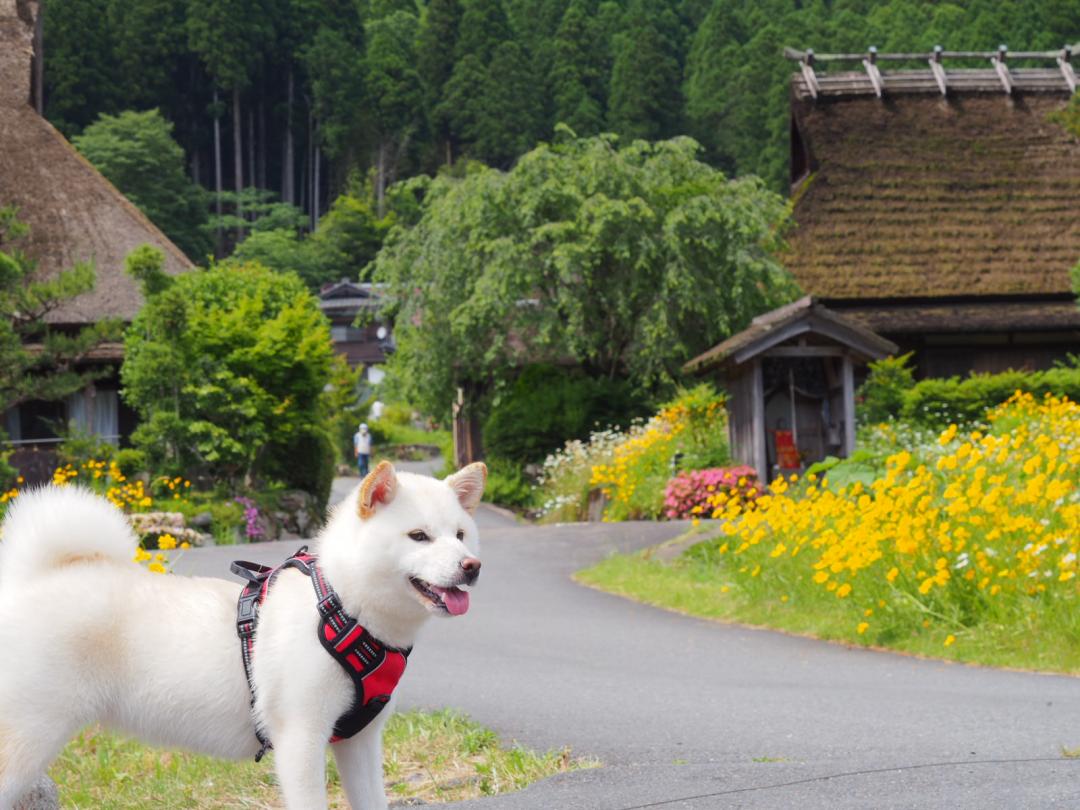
(293,96)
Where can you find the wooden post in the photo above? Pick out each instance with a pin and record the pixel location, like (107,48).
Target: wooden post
(848,379)
(939,71)
(807,67)
(757,400)
(998,61)
(870,63)
(1065,63)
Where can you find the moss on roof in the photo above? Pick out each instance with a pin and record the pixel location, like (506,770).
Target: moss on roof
(74,213)
(915,195)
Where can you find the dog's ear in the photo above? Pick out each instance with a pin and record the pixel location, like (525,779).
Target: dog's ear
(378,488)
(468,485)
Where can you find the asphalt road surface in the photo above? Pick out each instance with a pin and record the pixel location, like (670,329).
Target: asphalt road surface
(685,713)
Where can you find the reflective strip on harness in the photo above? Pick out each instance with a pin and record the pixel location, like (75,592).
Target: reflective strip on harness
(374,667)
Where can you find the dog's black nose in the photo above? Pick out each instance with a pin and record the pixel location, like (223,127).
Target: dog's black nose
(471,567)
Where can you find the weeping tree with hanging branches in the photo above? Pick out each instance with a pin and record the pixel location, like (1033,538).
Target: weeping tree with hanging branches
(626,260)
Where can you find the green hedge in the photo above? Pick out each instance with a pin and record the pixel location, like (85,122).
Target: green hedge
(936,403)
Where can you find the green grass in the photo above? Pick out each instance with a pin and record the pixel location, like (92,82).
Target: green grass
(700,585)
(429,757)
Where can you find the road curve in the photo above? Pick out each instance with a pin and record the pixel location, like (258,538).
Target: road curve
(686,713)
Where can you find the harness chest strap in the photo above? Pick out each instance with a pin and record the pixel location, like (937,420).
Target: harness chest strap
(374,667)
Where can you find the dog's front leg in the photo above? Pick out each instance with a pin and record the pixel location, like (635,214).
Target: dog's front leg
(359,761)
(300,762)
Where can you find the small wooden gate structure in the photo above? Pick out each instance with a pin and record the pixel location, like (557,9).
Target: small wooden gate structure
(790,379)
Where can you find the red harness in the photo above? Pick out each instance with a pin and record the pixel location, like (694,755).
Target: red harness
(374,667)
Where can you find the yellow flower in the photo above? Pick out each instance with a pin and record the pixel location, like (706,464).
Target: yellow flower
(862,627)
(156,568)
(166,542)
(950,639)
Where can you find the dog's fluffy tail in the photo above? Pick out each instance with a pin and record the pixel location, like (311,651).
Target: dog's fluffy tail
(53,526)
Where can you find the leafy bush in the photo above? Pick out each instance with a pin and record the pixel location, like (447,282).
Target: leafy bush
(882,395)
(545,406)
(936,403)
(507,485)
(227,368)
(688,494)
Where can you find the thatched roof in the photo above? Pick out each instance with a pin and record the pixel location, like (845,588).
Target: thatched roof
(807,319)
(73,212)
(916,195)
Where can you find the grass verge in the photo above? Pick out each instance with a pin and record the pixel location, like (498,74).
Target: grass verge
(703,586)
(429,757)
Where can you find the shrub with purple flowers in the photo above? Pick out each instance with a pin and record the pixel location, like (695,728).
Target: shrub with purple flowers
(687,494)
(252,530)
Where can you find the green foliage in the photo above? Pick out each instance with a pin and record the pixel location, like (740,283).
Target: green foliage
(227,368)
(627,261)
(936,403)
(36,361)
(545,406)
(137,153)
(343,246)
(882,395)
(507,485)
(891,393)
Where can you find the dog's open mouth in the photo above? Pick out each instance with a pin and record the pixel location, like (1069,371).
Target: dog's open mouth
(452,600)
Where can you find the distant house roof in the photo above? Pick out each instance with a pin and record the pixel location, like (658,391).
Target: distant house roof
(805,318)
(346,298)
(920,195)
(74,213)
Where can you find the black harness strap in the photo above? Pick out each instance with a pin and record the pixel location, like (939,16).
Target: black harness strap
(374,667)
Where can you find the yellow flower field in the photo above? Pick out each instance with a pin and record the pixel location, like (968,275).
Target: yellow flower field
(978,528)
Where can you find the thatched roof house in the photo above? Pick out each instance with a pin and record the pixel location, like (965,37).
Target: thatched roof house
(939,207)
(75,215)
(73,212)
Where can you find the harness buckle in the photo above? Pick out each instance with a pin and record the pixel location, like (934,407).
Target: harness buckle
(246,608)
(329,605)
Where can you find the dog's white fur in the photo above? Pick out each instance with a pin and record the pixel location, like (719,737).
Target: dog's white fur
(87,636)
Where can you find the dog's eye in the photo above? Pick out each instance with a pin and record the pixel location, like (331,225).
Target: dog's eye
(419,536)
(460,534)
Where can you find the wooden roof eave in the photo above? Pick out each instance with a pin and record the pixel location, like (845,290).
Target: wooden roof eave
(803,317)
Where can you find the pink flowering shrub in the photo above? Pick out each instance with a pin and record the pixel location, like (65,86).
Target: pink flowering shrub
(688,494)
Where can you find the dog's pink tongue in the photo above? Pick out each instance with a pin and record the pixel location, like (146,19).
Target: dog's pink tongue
(455,599)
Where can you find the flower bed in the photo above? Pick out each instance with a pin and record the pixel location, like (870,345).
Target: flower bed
(977,529)
(690,494)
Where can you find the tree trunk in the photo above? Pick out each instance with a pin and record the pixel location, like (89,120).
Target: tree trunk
(39,59)
(238,157)
(238,141)
(196,167)
(380,179)
(251,146)
(217,171)
(261,153)
(316,191)
(288,169)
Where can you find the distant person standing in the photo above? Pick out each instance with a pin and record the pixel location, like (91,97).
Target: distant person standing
(361,441)
(376,410)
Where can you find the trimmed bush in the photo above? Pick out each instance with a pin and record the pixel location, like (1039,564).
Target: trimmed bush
(889,392)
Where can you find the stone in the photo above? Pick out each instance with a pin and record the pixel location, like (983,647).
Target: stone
(201,521)
(42,796)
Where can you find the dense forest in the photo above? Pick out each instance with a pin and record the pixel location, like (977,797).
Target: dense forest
(294,96)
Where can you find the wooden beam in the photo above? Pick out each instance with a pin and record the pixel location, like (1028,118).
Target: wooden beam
(848,377)
(796,56)
(1065,63)
(870,63)
(804,351)
(998,61)
(757,405)
(939,71)
(807,67)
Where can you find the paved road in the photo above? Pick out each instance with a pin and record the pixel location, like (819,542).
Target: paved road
(677,707)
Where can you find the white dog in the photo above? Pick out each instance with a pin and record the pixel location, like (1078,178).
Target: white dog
(87,636)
